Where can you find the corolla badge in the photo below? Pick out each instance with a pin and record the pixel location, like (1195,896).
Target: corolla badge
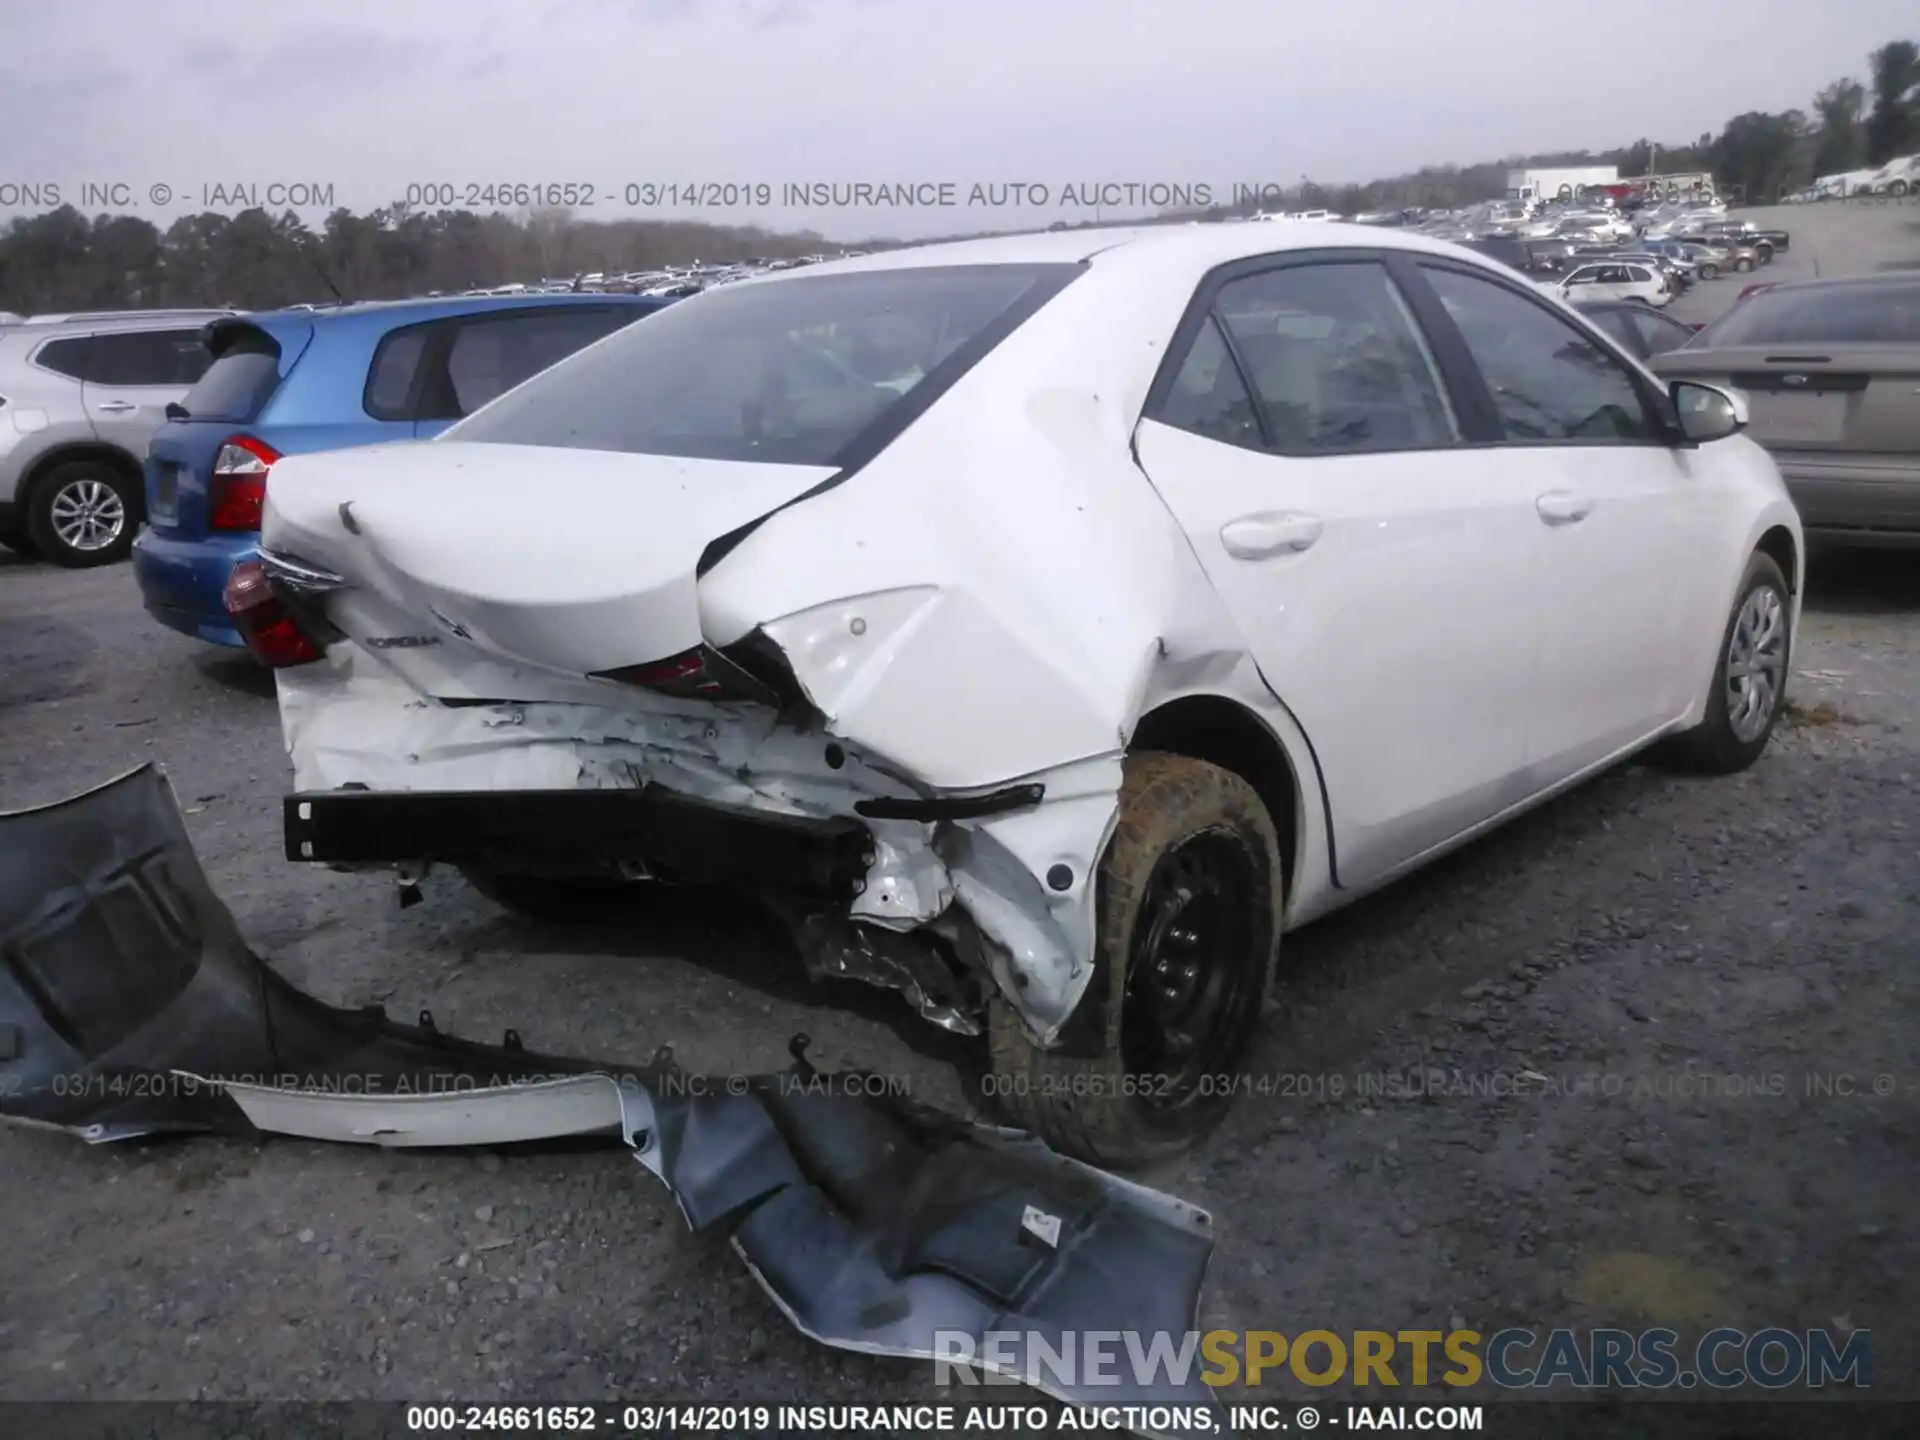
(401,642)
(1793,379)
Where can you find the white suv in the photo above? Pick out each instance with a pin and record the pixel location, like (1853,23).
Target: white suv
(1615,280)
(80,396)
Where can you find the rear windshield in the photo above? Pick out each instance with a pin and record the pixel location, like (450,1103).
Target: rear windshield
(791,371)
(1844,315)
(239,383)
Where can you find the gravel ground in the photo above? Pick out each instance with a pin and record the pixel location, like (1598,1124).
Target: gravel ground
(1637,935)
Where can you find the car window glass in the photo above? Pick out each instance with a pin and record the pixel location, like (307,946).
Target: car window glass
(238,385)
(1549,381)
(1208,397)
(1335,360)
(147,357)
(64,357)
(1620,327)
(1878,313)
(1658,334)
(795,370)
(492,354)
(396,362)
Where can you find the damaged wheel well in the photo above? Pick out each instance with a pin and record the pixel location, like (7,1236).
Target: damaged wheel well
(1225,733)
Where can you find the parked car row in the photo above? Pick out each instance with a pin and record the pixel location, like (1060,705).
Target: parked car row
(173,418)
(1895,180)
(679,608)
(1828,370)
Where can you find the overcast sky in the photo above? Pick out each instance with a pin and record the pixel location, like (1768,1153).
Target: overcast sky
(167,97)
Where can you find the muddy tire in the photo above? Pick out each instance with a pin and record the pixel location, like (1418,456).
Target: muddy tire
(556,900)
(1749,678)
(1190,896)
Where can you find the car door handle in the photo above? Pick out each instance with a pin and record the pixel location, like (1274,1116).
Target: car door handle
(116,407)
(1562,507)
(1256,537)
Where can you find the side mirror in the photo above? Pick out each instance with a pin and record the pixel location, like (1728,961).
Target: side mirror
(1707,412)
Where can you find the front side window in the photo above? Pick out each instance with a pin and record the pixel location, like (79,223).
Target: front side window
(1619,327)
(1658,334)
(1550,382)
(1335,360)
(792,371)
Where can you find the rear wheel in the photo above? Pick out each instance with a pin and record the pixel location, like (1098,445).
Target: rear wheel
(1749,679)
(1189,899)
(83,513)
(1897,189)
(1743,264)
(555,899)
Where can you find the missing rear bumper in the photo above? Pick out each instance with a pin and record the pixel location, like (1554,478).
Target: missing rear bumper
(696,840)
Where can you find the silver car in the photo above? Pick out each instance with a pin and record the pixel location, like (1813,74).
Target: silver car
(80,396)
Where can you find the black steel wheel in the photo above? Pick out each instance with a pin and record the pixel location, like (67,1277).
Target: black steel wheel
(1189,906)
(1198,951)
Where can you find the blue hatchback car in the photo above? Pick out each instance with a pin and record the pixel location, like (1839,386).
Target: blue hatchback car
(292,381)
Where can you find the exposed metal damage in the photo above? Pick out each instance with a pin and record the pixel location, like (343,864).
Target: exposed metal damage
(130,1005)
(936,896)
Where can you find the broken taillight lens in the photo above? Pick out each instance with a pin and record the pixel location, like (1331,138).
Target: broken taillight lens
(239,490)
(271,630)
(702,673)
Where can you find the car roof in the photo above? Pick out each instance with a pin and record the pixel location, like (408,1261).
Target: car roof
(1117,247)
(97,322)
(1898,279)
(386,313)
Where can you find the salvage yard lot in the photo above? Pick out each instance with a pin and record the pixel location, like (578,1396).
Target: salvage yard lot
(1623,943)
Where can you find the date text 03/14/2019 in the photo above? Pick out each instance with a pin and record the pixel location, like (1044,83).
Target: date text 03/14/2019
(752,1419)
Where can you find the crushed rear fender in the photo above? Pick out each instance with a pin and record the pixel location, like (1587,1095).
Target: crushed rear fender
(130,1005)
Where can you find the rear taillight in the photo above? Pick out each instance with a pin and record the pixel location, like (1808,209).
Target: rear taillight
(271,630)
(704,673)
(239,491)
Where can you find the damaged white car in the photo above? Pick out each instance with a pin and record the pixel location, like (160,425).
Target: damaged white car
(1043,624)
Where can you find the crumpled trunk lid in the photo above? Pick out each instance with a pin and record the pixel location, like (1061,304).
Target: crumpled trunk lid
(574,561)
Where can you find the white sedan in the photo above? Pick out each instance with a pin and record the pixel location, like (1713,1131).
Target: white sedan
(1042,624)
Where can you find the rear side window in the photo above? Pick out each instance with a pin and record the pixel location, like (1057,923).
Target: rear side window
(396,364)
(65,357)
(491,354)
(1335,360)
(239,383)
(148,357)
(1825,315)
(792,371)
(1208,397)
